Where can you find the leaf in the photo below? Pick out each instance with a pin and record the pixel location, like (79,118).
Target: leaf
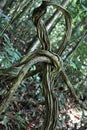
(5,121)
(6,38)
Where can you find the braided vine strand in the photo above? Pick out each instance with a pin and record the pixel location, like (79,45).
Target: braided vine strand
(56,60)
(35,57)
(39,12)
(50,122)
(68,20)
(26,63)
(62,47)
(37,15)
(51,106)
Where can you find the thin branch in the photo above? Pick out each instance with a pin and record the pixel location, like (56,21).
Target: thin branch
(70,87)
(76,45)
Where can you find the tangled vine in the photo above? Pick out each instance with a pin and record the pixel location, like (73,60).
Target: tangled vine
(50,60)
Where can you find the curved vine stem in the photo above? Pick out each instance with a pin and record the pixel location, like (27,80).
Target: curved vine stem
(51,106)
(35,57)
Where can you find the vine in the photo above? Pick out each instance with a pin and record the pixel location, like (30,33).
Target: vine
(49,59)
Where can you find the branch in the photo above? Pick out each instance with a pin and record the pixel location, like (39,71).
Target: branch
(77,44)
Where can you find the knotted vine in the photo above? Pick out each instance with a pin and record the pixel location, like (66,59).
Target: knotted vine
(51,102)
(52,65)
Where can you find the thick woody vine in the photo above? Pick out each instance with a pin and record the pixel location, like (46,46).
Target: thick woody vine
(49,59)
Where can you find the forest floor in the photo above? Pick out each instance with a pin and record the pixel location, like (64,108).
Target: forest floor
(27,112)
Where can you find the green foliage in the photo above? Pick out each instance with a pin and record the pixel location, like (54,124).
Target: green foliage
(10,55)
(4,20)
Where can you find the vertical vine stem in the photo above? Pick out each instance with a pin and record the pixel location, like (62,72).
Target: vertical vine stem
(50,100)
